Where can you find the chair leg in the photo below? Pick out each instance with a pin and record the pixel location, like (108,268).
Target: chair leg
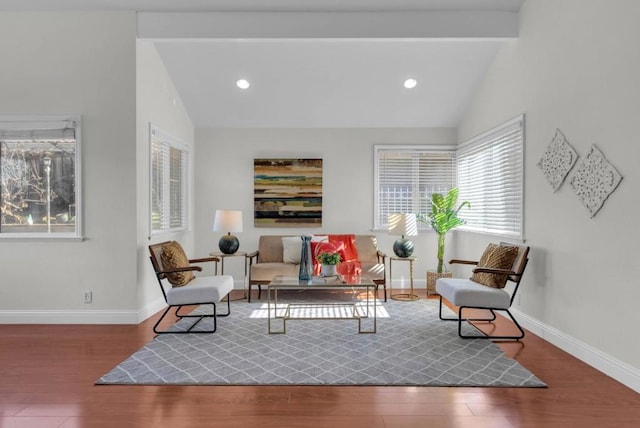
(199,317)
(384,288)
(228,307)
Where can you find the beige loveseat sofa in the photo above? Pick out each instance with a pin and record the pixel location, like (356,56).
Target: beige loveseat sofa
(269,261)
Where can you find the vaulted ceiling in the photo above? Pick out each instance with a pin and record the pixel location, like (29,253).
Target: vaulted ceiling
(319,63)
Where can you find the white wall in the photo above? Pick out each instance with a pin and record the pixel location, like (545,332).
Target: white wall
(224,180)
(76,63)
(158,103)
(576,67)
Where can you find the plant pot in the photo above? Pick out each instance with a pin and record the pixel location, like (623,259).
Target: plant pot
(432,277)
(329,270)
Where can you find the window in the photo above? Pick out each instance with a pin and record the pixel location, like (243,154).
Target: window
(406,176)
(169,180)
(490,176)
(40,177)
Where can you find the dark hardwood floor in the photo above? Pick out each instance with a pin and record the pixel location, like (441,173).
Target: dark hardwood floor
(47,375)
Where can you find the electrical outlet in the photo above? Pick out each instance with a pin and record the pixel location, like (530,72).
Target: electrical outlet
(88,296)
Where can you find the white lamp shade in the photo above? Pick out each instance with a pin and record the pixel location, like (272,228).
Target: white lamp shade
(227,221)
(403,224)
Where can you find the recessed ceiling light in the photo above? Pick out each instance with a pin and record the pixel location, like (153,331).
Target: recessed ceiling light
(242,84)
(410,83)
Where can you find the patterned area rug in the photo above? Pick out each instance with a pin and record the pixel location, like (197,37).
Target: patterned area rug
(411,347)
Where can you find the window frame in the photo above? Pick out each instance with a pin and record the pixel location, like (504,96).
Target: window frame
(8,122)
(489,139)
(380,224)
(168,141)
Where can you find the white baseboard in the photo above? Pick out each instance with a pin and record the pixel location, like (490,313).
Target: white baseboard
(69,317)
(405,282)
(618,370)
(83,316)
(150,309)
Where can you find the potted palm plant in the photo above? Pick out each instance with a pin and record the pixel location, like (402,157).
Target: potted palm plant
(443,218)
(329,261)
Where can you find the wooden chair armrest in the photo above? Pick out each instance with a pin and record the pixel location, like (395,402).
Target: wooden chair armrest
(462,262)
(494,270)
(205,259)
(182,269)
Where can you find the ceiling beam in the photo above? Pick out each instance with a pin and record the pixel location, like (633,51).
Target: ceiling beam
(278,25)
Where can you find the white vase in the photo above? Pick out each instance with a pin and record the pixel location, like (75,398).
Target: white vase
(329,270)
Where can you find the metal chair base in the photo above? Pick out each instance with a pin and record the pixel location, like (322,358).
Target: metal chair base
(459,318)
(214,315)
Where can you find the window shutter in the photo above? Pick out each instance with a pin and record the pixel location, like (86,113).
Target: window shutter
(490,177)
(169,178)
(406,176)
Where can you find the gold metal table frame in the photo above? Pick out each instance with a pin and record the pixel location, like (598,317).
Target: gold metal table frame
(356,309)
(407,297)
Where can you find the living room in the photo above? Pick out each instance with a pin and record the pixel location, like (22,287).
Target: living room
(573,66)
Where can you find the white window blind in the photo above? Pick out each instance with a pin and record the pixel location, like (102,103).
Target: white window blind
(490,176)
(169,179)
(406,176)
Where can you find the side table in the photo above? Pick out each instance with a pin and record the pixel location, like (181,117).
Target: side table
(403,296)
(223,256)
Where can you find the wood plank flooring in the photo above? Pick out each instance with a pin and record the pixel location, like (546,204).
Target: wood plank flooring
(47,375)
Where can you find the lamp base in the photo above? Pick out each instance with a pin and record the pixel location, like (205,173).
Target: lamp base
(228,244)
(403,248)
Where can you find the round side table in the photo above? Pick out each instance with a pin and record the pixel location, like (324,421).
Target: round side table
(407,297)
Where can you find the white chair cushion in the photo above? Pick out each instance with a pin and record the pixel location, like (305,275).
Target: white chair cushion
(464,292)
(203,289)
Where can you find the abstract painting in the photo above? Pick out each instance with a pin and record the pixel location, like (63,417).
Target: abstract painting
(287,192)
(594,180)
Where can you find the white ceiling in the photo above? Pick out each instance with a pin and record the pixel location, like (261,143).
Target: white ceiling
(316,82)
(261,5)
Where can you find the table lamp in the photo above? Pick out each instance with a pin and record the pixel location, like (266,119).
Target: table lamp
(403,225)
(229,222)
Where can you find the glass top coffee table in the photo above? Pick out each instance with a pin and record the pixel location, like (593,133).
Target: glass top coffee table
(361,306)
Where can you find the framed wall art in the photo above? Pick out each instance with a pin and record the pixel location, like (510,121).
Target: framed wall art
(287,192)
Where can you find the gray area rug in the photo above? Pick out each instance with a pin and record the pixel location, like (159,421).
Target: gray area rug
(411,347)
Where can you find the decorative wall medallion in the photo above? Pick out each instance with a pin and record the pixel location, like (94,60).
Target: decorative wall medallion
(594,180)
(557,160)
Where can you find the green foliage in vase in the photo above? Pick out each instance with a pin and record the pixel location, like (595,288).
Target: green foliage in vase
(443,218)
(326,258)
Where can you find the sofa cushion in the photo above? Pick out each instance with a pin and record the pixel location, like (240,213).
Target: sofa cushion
(270,248)
(264,272)
(374,270)
(173,257)
(367,248)
(498,257)
(291,249)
